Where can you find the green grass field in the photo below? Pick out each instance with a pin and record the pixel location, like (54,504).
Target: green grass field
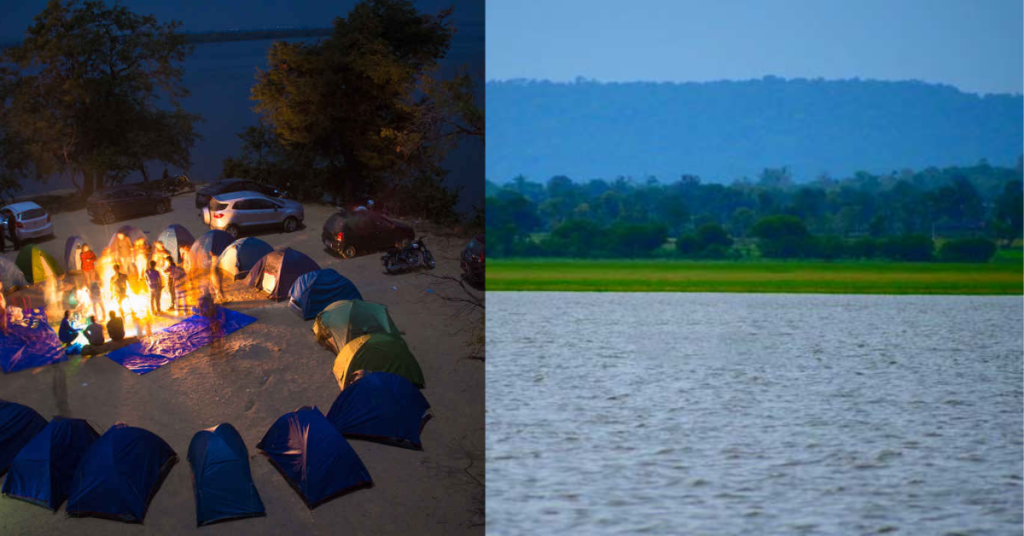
(1004,275)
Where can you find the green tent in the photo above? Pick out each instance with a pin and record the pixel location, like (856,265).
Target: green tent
(344,320)
(377,352)
(37,265)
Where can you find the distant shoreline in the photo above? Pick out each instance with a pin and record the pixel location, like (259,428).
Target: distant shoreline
(796,277)
(240,35)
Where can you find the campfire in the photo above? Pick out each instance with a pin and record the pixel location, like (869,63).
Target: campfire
(134,310)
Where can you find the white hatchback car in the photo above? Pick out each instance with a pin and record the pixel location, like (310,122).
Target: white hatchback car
(237,211)
(30,220)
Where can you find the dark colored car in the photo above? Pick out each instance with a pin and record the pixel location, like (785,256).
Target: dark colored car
(112,204)
(364,231)
(223,186)
(472,260)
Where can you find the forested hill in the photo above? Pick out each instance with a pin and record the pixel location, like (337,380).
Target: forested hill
(725,130)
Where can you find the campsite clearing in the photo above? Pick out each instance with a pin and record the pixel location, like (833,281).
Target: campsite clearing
(755,276)
(273,366)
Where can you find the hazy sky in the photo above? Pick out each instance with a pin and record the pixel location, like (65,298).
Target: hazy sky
(975,45)
(205,15)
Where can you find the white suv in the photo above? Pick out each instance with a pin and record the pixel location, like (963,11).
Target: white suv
(30,220)
(235,211)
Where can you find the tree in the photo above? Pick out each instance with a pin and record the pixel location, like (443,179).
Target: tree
(958,201)
(671,209)
(741,221)
(351,99)
(712,234)
(453,103)
(783,236)
(14,161)
(575,238)
(910,248)
(85,99)
(967,250)
(710,241)
(1009,217)
(636,240)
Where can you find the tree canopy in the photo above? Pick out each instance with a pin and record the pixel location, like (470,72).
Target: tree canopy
(364,105)
(96,91)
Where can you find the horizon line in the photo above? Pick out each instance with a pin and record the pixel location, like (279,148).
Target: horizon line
(582,80)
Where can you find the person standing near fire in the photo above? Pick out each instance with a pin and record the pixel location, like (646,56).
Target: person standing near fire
(216,281)
(160,255)
(155,283)
(96,297)
(142,252)
(177,279)
(88,260)
(123,250)
(119,287)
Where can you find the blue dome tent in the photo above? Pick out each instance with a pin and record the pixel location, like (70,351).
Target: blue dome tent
(120,474)
(173,238)
(211,243)
(223,481)
(72,258)
(42,472)
(313,457)
(240,256)
(313,291)
(277,271)
(18,425)
(381,407)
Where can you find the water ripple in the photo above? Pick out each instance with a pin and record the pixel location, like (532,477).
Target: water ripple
(743,414)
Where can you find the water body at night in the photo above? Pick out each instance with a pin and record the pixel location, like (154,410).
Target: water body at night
(220,75)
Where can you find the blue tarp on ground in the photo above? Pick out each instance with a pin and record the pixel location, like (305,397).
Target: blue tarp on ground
(381,407)
(18,425)
(30,343)
(181,339)
(173,238)
(313,291)
(313,457)
(119,474)
(43,470)
(222,478)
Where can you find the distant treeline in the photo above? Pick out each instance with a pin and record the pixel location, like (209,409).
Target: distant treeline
(236,35)
(954,214)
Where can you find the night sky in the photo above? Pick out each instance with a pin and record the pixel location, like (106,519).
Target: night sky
(207,15)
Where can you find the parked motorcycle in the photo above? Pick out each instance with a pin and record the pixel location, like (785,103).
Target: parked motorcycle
(174,186)
(408,258)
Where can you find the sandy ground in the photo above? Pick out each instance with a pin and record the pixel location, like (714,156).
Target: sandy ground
(267,369)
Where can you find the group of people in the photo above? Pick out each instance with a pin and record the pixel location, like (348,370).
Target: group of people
(93,331)
(138,266)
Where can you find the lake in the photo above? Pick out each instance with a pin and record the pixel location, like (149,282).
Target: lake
(753,414)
